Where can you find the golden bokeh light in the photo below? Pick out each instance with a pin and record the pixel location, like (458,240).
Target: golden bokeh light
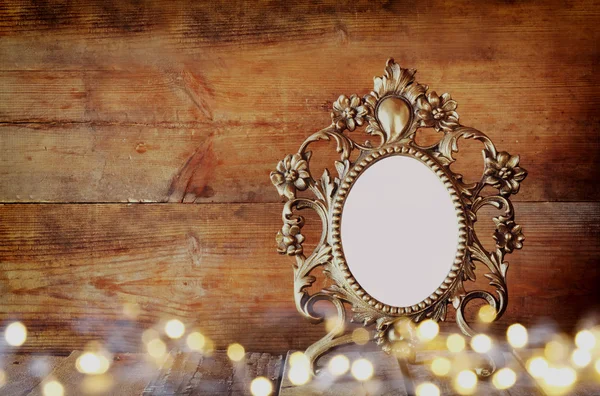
(97,384)
(236,352)
(427,389)
(405,328)
(517,336)
(487,314)
(428,330)
(537,367)
(462,361)
(481,343)
(581,358)
(156,348)
(559,380)
(441,366)
(53,388)
(402,349)
(504,378)
(261,386)
(174,329)
(456,343)
(339,365)
(15,334)
(195,341)
(597,366)
(209,346)
(360,336)
(299,375)
(362,369)
(585,340)
(92,363)
(299,359)
(465,382)
(2,378)
(556,350)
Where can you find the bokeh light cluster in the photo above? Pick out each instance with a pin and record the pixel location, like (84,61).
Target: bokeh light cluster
(557,361)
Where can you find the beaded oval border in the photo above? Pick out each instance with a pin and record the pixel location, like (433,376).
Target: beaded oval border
(338,205)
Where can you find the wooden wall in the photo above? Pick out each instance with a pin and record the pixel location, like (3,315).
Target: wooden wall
(136,140)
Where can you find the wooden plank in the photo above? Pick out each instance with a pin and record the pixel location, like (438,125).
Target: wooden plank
(66,374)
(218,162)
(195,374)
(175,374)
(267,88)
(387,378)
(24,372)
(66,271)
(256,365)
(526,385)
(420,372)
(144,91)
(128,375)
(131,373)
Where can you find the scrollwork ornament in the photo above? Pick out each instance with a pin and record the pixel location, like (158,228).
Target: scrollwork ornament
(393,327)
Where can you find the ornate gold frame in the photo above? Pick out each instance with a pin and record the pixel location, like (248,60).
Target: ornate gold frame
(395,123)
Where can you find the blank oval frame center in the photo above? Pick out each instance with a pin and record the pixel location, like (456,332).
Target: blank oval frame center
(399,231)
(383,257)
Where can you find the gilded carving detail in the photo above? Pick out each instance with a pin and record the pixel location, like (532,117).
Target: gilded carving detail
(427,110)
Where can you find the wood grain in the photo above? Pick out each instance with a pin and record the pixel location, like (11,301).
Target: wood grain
(194,374)
(219,162)
(387,378)
(170,101)
(178,102)
(24,372)
(67,271)
(420,372)
(128,375)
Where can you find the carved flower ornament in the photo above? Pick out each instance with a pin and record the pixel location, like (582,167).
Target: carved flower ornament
(504,173)
(437,111)
(414,107)
(289,240)
(348,113)
(508,235)
(291,174)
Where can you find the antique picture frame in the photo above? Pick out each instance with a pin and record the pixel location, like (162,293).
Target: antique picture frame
(393,113)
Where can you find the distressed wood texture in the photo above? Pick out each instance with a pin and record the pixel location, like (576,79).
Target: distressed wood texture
(390,380)
(387,378)
(110,101)
(128,375)
(188,373)
(67,270)
(23,373)
(420,372)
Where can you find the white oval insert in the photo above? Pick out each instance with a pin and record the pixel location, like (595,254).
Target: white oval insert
(399,231)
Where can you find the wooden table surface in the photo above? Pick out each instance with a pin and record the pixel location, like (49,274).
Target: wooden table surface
(186,373)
